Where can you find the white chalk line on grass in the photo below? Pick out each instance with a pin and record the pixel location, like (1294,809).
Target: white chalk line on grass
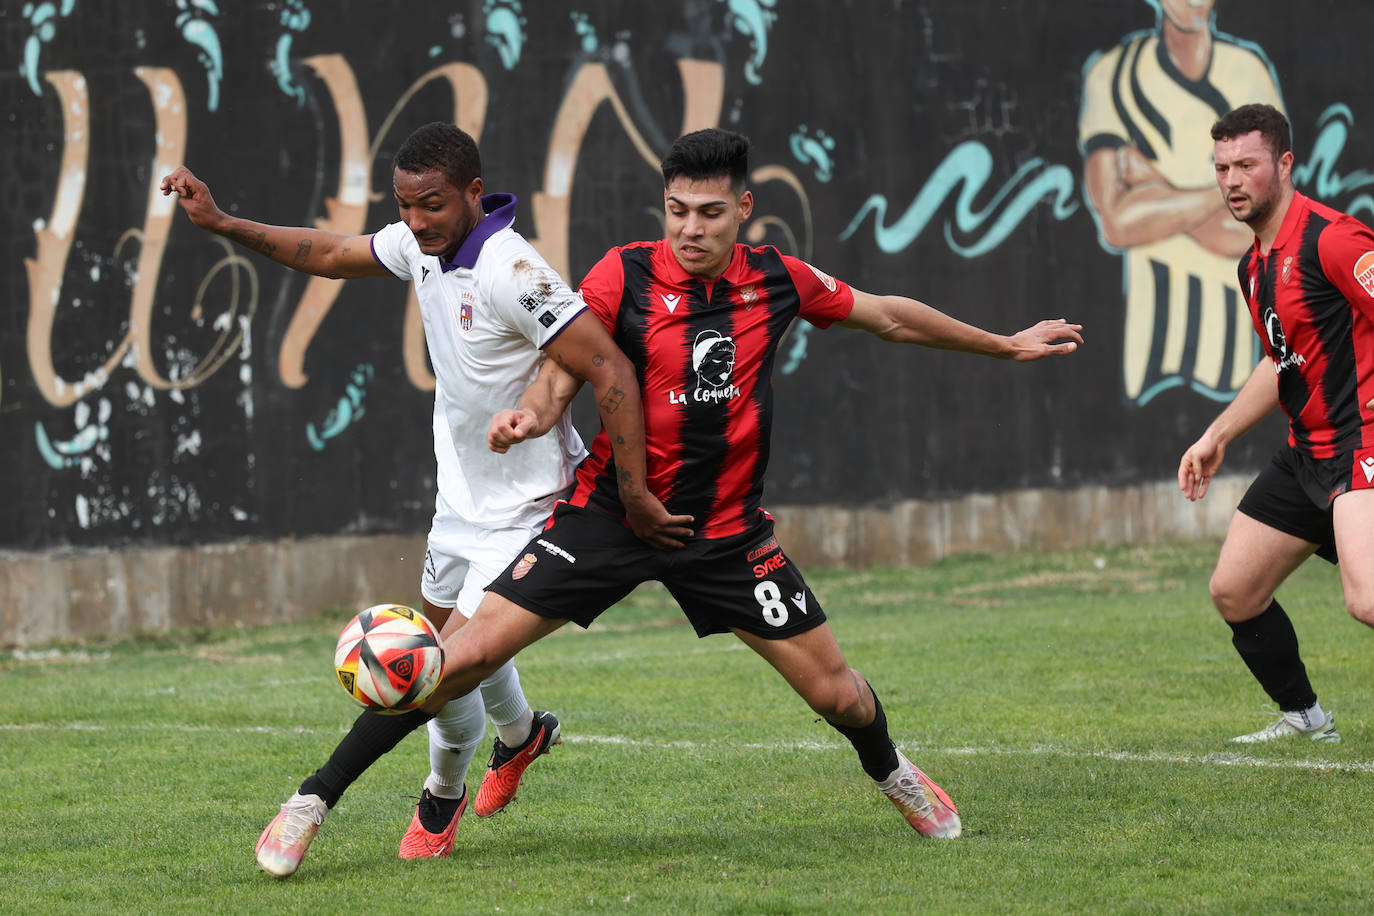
(1036,750)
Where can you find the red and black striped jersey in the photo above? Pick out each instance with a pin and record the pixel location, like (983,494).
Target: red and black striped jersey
(704,357)
(1312,301)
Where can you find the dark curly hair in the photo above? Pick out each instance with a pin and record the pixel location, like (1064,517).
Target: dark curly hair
(441,146)
(1266,119)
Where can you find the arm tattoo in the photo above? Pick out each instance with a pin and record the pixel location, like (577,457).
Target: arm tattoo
(610,403)
(254,241)
(598,360)
(302,253)
(563,364)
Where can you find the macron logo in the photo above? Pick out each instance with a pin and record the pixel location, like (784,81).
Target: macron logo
(1367,465)
(670,301)
(424,274)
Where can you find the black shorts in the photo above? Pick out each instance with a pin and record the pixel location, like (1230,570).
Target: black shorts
(585,561)
(1294,494)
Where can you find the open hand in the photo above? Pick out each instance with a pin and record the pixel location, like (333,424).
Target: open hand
(1051,337)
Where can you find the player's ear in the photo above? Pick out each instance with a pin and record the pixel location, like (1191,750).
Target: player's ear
(474,189)
(746,205)
(1286,165)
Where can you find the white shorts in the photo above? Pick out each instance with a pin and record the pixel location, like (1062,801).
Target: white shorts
(461,558)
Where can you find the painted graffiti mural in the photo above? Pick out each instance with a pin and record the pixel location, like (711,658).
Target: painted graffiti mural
(159,385)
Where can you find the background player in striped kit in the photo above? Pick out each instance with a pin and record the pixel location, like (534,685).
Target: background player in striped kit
(1309,282)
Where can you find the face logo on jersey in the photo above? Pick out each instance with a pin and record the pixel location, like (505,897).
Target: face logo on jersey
(1278,343)
(1287,270)
(825,278)
(713,360)
(465,311)
(1364,272)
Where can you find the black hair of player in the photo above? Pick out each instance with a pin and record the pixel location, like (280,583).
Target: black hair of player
(1268,120)
(442,146)
(706,154)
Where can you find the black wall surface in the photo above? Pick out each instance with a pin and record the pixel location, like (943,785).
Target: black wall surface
(157,387)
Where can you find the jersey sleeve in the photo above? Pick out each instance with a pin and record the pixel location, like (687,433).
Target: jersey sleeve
(603,288)
(392,246)
(1099,126)
(532,298)
(1346,249)
(824,300)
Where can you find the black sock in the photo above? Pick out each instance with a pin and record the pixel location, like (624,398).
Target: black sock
(436,813)
(877,753)
(371,736)
(1269,647)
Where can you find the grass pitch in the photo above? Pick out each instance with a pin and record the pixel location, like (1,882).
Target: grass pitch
(1075,705)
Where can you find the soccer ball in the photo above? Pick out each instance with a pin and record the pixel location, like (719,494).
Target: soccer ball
(389,658)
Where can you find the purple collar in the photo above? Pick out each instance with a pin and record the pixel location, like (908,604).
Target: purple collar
(500,214)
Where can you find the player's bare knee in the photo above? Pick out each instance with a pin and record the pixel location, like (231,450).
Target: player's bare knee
(838,699)
(1234,599)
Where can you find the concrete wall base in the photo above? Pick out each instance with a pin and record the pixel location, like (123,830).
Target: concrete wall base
(73,595)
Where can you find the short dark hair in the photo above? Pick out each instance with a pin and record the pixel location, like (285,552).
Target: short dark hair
(1266,119)
(708,153)
(442,146)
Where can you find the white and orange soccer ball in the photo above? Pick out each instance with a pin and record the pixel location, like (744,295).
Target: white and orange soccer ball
(389,658)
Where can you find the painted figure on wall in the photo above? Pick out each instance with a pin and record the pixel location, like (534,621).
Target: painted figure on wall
(1147,106)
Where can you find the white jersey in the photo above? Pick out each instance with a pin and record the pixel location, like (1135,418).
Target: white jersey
(487,314)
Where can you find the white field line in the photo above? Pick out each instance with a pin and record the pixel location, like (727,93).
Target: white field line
(1218,759)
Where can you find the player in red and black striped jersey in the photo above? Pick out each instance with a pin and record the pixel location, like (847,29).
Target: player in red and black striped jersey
(701,317)
(704,352)
(1309,283)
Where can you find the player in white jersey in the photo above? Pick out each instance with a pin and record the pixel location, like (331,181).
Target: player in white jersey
(490,305)
(1148,104)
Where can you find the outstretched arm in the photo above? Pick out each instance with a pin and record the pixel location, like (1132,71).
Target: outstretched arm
(1255,401)
(901,320)
(586,351)
(539,409)
(311,251)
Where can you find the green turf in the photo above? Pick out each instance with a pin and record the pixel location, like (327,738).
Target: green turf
(1075,705)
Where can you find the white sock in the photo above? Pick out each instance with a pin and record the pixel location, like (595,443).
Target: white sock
(1310,719)
(453,738)
(506,704)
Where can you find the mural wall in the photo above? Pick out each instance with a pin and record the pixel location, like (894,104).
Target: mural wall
(1004,161)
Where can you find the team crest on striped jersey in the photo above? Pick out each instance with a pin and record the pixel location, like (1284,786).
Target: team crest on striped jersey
(1364,272)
